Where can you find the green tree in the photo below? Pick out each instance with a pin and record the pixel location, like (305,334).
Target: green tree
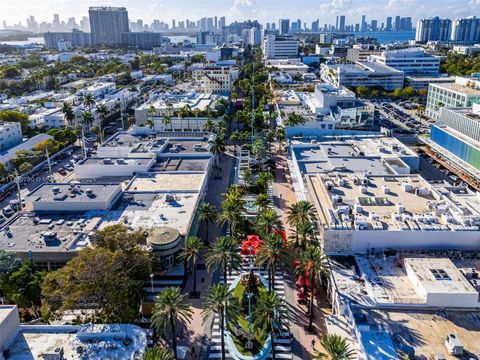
(25,167)
(68,113)
(217,148)
(301,212)
(169,311)
(22,285)
(119,237)
(87,119)
(312,263)
(209,125)
(231,214)
(263,201)
(207,214)
(268,220)
(280,134)
(362,91)
(335,348)
(259,149)
(158,353)
(8,262)
(224,255)
(3,170)
(190,253)
(398,93)
(408,92)
(15,116)
(270,313)
(263,181)
(294,119)
(303,235)
(108,282)
(221,301)
(272,253)
(251,287)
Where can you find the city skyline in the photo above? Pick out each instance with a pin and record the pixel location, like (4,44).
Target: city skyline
(264,11)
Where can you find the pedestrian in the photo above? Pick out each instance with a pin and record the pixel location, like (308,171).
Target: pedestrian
(313,343)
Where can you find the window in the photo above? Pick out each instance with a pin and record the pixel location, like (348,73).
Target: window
(440,274)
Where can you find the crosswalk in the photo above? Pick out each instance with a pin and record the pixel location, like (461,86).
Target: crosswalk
(282,341)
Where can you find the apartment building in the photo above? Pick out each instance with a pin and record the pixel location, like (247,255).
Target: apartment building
(463,93)
(279,47)
(215,79)
(10,135)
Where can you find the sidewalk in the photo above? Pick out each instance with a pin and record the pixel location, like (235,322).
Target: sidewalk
(302,349)
(197,335)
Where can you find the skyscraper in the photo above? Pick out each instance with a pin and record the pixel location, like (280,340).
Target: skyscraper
(433,29)
(374,25)
(363,26)
(284,26)
(215,22)
(107,24)
(388,25)
(336,24)
(466,30)
(316,26)
(342,23)
(397,23)
(221,23)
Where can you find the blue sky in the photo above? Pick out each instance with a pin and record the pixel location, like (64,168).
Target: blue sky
(263,10)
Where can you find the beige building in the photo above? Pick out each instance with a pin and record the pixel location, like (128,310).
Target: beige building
(215,79)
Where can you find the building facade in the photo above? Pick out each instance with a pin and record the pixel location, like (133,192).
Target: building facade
(433,29)
(278,47)
(10,135)
(466,30)
(215,79)
(412,61)
(463,93)
(108,24)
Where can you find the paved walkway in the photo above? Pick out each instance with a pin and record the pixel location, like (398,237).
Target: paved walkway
(198,334)
(284,196)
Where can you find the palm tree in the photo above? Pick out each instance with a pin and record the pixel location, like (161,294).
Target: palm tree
(87,119)
(170,310)
(158,353)
(280,134)
(312,263)
(270,313)
(234,194)
(190,253)
(221,301)
(151,112)
(263,201)
(335,348)
(224,254)
(268,220)
(167,120)
(263,180)
(301,212)
(217,148)
(207,213)
(68,113)
(272,253)
(303,235)
(209,125)
(232,215)
(88,101)
(101,109)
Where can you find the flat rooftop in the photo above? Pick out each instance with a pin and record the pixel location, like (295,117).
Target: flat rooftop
(153,210)
(115,161)
(73,193)
(27,233)
(181,164)
(176,146)
(167,182)
(458,88)
(426,331)
(33,342)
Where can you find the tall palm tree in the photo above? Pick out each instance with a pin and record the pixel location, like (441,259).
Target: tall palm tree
(207,214)
(267,221)
(217,148)
(280,135)
(269,314)
(101,109)
(234,194)
(301,212)
(190,253)
(272,253)
(312,263)
(303,235)
(263,201)
(209,125)
(335,348)
(87,119)
(232,215)
(158,353)
(89,101)
(169,311)
(224,254)
(263,180)
(221,301)
(68,113)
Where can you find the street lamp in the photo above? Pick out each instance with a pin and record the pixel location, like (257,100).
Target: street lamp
(249,344)
(151,281)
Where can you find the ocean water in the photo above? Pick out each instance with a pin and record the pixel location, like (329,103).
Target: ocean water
(30,41)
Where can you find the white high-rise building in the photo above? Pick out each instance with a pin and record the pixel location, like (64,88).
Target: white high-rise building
(433,29)
(254,36)
(279,47)
(466,30)
(412,61)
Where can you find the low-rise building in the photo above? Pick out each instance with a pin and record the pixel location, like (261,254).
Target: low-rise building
(463,93)
(423,82)
(370,74)
(412,61)
(98,90)
(290,66)
(10,135)
(215,79)
(9,154)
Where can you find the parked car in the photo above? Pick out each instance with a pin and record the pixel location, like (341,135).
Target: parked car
(8,211)
(62,171)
